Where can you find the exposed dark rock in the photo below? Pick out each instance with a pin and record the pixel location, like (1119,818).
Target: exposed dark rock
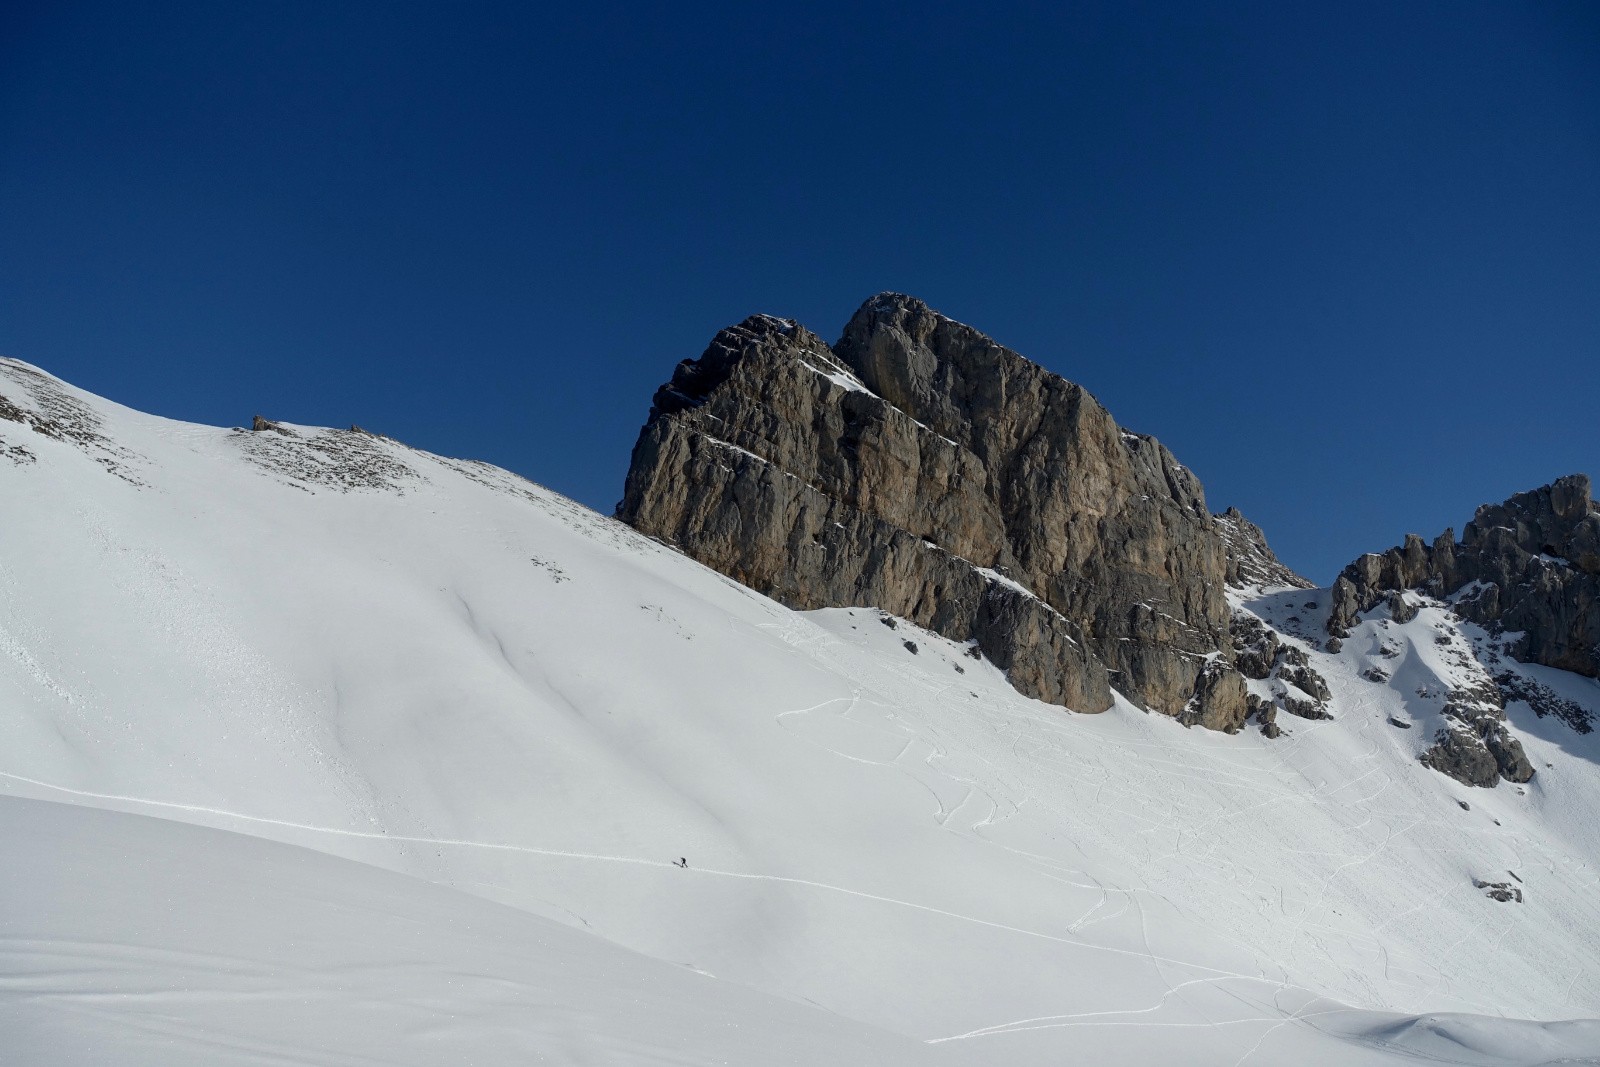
(1251,562)
(49,409)
(1508,754)
(1401,609)
(1261,654)
(11,413)
(1255,647)
(1345,607)
(1297,671)
(1530,565)
(921,468)
(1220,700)
(1475,747)
(1501,891)
(1304,709)
(1544,700)
(1263,711)
(343,460)
(1528,568)
(17,454)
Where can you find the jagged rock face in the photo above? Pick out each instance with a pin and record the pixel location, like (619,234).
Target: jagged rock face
(919,467)
(1529,565)
(1259,652)
(1475,745)
(1251,563)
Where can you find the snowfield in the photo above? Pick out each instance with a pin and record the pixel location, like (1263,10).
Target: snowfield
(441,738)
(140,941)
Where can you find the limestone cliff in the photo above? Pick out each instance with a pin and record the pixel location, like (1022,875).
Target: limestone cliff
(1529,566)
(1528,569)
(1251,562)
(919,467)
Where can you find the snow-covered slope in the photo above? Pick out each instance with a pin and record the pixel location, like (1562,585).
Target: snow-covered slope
(133,940)
(433,667)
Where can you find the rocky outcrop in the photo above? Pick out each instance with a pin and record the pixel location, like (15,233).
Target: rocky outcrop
(1544,700)
(1292,684)
(1475,746)
(1251,563)
(1527,569)
(1503,892)
(919,467)
(42,407)
(1529,566)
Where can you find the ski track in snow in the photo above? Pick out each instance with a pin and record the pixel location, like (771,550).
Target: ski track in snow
(1327,858)
(1124,1017)
(638,861)
(808,642)
(919,766)
(1305,918)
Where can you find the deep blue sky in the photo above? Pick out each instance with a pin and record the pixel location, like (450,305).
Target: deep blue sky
(1344,260)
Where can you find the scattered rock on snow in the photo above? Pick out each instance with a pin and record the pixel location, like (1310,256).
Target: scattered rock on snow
(1501,891)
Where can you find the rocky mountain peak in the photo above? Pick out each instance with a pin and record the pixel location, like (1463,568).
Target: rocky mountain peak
(953,379)
(1529,565)
(1251,561)
(1560,520)
(1528,572)
(695,379)
(920,467)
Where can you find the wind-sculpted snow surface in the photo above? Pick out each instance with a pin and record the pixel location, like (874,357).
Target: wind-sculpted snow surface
(468,680)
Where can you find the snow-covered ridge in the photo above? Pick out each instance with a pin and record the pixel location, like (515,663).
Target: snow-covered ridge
(434,668)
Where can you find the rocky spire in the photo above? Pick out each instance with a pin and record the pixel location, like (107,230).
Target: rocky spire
(919,467)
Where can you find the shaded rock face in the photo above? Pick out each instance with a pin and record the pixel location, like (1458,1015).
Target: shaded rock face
(1530,565)
(1475,746)
(919,467)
